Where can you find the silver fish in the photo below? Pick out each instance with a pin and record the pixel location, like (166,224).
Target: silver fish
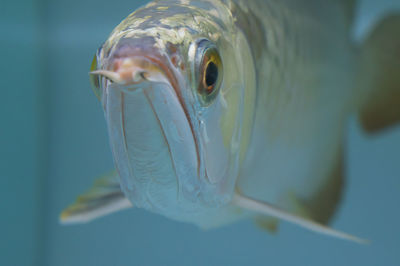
(223,110)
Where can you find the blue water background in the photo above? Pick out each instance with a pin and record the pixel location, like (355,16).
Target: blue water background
(53,144)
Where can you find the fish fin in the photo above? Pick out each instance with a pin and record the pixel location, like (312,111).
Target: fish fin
(323,204)
(381,74)
(267,223)
(103,198)
(265,208)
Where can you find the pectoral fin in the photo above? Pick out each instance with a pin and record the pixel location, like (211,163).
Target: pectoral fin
(103,198)
(268,209)
(320,207)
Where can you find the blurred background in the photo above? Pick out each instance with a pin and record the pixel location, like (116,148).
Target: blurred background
(53,144)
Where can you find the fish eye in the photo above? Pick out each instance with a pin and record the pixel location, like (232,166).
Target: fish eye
(95,79)
(208,71)
(210,77)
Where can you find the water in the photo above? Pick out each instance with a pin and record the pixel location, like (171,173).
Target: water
(54,143)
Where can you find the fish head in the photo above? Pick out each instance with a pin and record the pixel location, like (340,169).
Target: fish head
(177,89)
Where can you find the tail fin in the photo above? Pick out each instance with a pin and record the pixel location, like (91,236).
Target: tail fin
(381,73)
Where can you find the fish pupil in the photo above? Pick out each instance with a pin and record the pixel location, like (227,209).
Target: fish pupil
(211,75)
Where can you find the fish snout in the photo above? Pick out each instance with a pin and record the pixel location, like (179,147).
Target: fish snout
(134,70)
(136,60)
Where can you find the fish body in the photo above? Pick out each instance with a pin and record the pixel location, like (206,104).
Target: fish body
(207,101)
(303,100)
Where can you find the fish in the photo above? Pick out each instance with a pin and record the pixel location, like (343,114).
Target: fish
(224,110)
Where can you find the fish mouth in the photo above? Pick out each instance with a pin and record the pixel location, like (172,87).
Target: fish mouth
(152,139)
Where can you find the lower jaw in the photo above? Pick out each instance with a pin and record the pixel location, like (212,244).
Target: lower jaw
(153,148)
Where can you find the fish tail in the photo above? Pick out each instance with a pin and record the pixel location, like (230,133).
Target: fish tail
(380,74)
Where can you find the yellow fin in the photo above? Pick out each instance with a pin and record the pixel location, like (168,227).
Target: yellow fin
(381,73)
(103,198)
